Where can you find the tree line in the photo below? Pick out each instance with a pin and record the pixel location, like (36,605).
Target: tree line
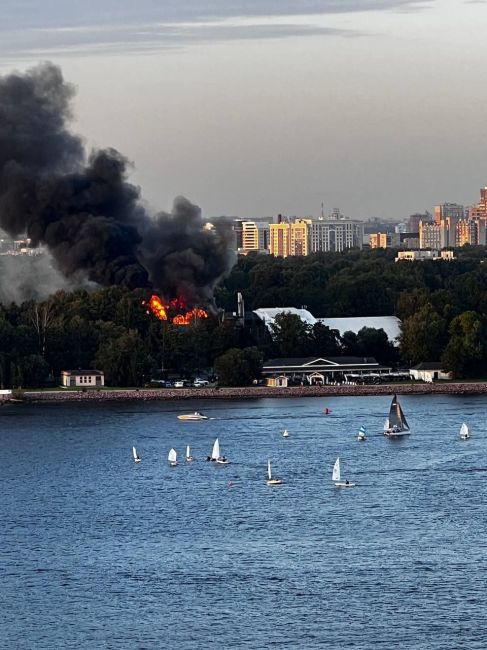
(442,306)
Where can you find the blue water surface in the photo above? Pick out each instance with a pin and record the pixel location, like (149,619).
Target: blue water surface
(98,552)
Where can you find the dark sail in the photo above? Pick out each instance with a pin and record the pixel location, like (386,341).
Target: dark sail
(396,416)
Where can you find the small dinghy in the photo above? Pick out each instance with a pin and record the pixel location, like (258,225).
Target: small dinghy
(285,433)
(135,455)
(361,434)
(172,458)
(270,480)
(336,476)
(189,458)
(216,457)
(464,432)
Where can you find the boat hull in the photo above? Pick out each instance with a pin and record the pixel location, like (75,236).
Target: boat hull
(396,434)
(192,418)
(344,484)
(275,481)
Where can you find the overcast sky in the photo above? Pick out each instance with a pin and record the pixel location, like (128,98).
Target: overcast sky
(253,108)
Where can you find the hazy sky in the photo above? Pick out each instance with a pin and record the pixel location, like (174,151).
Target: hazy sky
(253,108)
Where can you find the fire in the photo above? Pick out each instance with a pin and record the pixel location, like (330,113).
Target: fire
(162,311)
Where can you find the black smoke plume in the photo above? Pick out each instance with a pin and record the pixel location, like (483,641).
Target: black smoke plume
(83,208)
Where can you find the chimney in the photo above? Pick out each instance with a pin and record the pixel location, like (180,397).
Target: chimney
(240,306)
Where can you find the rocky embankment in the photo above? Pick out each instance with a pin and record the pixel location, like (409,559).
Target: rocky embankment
(253,392)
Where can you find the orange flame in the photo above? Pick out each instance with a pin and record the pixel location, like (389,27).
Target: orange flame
(160,310)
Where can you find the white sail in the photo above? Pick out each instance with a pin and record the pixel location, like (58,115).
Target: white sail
(386,424)
(134,453)
(187,452)
(464,431)
(172,456)
(216,450)
(336,471)
(269,472)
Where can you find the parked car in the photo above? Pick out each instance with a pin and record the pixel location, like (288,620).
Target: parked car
(200,382)
(180,383)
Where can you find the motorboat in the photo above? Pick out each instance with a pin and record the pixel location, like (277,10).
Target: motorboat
(193,416)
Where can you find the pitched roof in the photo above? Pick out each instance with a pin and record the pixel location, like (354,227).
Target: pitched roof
(311,362)
(428,365)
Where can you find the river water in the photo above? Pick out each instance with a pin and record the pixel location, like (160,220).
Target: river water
(98,552)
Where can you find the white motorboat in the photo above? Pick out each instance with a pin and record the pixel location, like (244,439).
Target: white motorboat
(172,458)
(336,476)
(285,433)
(135,455)
(361,436)
(192,417)
(396,424)
(216,457)
(464,432)
(189,458)
(270,480)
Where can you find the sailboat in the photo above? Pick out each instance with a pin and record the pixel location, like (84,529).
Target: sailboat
(189,458)
(172,458)
(270,480)
(336,476)
(285,433)
(215,454)
(396,424)
(361,434)
(464,432)
(135,455)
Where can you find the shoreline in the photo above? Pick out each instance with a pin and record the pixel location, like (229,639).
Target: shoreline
(252,392)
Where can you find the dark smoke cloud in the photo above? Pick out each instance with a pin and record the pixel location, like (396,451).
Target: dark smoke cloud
(84,209)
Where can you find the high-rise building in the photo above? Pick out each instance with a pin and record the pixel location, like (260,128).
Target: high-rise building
(448,210)
(255,237)
(429,235)
(336,235)
(379,240)
(466,232)
(279,239)
(300,232)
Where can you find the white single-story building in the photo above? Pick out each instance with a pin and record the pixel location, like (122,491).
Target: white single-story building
(82,378)
(429,371)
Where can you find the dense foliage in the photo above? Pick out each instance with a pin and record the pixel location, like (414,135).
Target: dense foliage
(443,306)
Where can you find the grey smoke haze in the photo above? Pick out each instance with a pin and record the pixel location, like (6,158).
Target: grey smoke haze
(83,208)
(26,277)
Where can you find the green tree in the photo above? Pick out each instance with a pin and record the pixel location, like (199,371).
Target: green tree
(31,371)
(291,336)
(238,367)
(124,360)
(423,336)
(465,353)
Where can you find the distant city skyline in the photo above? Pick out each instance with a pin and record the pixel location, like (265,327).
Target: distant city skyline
(263,107)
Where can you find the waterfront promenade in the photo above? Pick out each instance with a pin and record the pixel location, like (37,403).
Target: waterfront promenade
(253,392)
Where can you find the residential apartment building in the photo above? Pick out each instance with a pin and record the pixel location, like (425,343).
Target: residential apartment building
(448,211)
(300,236)
(280,239)
(255,237)
(336,235)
